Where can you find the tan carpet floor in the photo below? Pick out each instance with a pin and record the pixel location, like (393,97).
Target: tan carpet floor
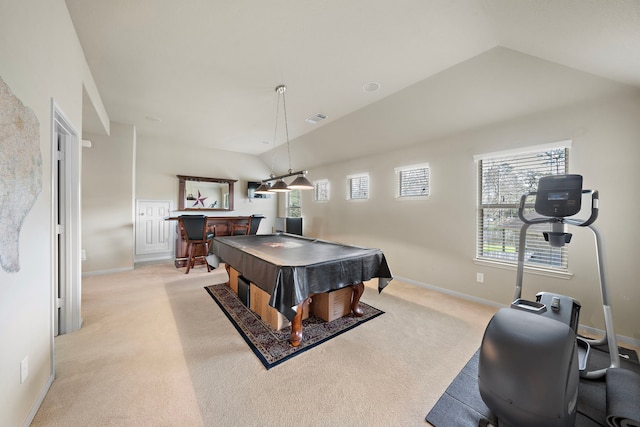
(155,350)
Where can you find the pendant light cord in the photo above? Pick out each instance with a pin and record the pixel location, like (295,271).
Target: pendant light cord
(275,134)
(286,126)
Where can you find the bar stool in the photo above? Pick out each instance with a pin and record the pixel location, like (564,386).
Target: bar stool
(194,232)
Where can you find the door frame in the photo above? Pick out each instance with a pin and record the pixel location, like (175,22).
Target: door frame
(65,261)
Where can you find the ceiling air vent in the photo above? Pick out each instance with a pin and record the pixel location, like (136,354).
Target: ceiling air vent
(371,87)
(316,118)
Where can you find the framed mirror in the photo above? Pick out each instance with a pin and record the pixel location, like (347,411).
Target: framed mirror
(200,193)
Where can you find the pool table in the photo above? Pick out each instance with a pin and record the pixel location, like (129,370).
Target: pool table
(291,269)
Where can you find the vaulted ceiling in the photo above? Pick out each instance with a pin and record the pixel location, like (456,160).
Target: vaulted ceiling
(204,72)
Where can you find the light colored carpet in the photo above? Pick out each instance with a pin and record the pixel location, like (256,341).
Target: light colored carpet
(155,350)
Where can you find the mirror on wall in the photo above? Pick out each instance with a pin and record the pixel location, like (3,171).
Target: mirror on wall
(201,193)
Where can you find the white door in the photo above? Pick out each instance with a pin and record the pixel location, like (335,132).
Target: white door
(154,234)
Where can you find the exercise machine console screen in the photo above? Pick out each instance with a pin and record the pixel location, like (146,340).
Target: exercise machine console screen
(559,196)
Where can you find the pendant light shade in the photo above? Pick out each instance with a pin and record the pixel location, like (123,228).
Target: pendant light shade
(301,183)
(280,186)
(263,188)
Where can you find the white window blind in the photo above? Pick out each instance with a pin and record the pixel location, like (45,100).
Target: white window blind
(321,190)
(294,203)
(503,179)
(358,187)
(412,181)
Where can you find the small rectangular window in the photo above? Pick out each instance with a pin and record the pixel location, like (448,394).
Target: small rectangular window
(412,181)
(358,187)
(321,190)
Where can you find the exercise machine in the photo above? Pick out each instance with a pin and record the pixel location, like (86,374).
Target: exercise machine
(559,197)
(531,358)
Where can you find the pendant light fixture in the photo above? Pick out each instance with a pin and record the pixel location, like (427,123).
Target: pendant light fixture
(301,182)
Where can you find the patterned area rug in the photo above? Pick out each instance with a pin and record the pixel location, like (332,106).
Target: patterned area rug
(273,347)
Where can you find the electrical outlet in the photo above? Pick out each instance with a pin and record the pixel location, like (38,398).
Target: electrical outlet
(24,369)
(480,277)
(83,255)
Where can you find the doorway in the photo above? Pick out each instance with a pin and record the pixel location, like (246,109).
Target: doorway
(65,174)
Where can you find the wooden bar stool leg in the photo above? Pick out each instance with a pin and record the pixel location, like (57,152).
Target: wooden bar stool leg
(206,252)
(190,258)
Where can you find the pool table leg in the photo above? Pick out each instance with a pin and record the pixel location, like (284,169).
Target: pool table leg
(296,324)
(358,290)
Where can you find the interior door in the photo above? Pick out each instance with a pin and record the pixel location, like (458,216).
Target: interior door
(60,256)
(66,223)
(153,231)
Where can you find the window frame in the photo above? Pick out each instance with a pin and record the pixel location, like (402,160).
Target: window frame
(349,188)
(316,190)
(557,264)
(398,181)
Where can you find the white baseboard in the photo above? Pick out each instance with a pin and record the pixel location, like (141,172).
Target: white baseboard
(588,329)
(620,338)
(450,292)
(38,402)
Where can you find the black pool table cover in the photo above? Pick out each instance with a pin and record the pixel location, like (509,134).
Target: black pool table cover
(290,268)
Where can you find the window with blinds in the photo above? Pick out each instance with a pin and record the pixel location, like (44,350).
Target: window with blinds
(358,187)
(321,190)
(294,204)
(503,178)
(412,181)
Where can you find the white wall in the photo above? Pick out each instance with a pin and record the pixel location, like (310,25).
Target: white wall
(122,167)
(108,200)
(158,163)
(432,241)
(41,59)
